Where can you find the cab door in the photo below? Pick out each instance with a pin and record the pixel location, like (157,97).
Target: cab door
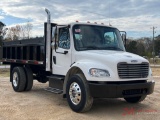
(61,53)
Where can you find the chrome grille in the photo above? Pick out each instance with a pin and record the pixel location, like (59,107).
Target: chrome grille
(126,71)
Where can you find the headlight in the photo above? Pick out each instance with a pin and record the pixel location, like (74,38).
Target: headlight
(94,72)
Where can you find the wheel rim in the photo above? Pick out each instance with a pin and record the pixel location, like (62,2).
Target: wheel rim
(75,93)
(15,79)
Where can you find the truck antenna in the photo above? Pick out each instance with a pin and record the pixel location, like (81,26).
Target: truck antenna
(109,12)
(48,15)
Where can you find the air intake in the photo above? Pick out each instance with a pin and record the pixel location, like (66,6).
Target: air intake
(130,71)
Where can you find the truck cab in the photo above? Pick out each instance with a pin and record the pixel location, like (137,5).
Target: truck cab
(96,55)
(82,61)
(80,39)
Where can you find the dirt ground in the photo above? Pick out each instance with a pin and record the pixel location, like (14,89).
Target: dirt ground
(39,104)
(156,71)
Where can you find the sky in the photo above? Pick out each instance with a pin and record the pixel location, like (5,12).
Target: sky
(136,17)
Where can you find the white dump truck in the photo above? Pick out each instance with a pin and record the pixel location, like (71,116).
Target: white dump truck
(82,61)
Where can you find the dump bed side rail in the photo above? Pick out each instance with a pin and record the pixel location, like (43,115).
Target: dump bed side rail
(30,51)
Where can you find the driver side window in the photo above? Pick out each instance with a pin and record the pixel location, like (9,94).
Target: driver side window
(64,39)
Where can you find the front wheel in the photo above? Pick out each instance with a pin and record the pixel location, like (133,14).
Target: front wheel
(135,99)
(78,94)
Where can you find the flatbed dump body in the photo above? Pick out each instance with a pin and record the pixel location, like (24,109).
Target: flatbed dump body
(29,51)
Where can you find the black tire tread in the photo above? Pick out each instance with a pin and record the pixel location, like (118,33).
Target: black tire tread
(22,78)
(89,98)
(135,99)
(29,79)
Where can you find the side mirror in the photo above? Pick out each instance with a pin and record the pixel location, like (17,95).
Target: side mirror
(52,45)
(124,37)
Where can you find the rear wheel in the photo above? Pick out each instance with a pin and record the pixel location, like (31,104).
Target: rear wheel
(78,94)
(135,99)
(29,79)
(18,78)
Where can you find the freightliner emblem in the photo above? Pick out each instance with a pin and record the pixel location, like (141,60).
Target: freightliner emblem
(134,61)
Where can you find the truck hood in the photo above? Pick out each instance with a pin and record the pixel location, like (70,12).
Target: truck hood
(108,56)
(106,59)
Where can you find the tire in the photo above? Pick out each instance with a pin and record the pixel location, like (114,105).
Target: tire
(136,99)
(29,79)
(78,94)
(18,78)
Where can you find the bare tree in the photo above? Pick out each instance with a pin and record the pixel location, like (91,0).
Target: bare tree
(14,33)
(23,35)
(28,28)
(3,30)
(19,32)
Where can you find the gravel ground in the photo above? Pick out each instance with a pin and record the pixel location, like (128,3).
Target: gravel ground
(39,104)
(156,71)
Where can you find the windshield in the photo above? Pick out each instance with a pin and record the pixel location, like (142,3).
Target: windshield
(92,37)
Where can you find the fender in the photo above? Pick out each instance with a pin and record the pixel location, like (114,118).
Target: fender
(83,66)
(86,65)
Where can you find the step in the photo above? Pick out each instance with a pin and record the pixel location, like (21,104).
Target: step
(56,82)
(54,90)
(56,77)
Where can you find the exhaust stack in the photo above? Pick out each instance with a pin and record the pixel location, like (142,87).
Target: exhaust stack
(48,41)
(48,15)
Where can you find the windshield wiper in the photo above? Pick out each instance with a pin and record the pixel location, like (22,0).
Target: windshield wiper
(114,48)
(93,47)
(100,48)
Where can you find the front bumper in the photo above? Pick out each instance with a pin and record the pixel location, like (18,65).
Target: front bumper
(120,90)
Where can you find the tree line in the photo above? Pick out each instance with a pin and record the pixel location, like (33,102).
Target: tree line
(144,46)
(16,32)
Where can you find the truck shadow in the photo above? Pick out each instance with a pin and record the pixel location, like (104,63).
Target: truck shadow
(118,106)
(100,107)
